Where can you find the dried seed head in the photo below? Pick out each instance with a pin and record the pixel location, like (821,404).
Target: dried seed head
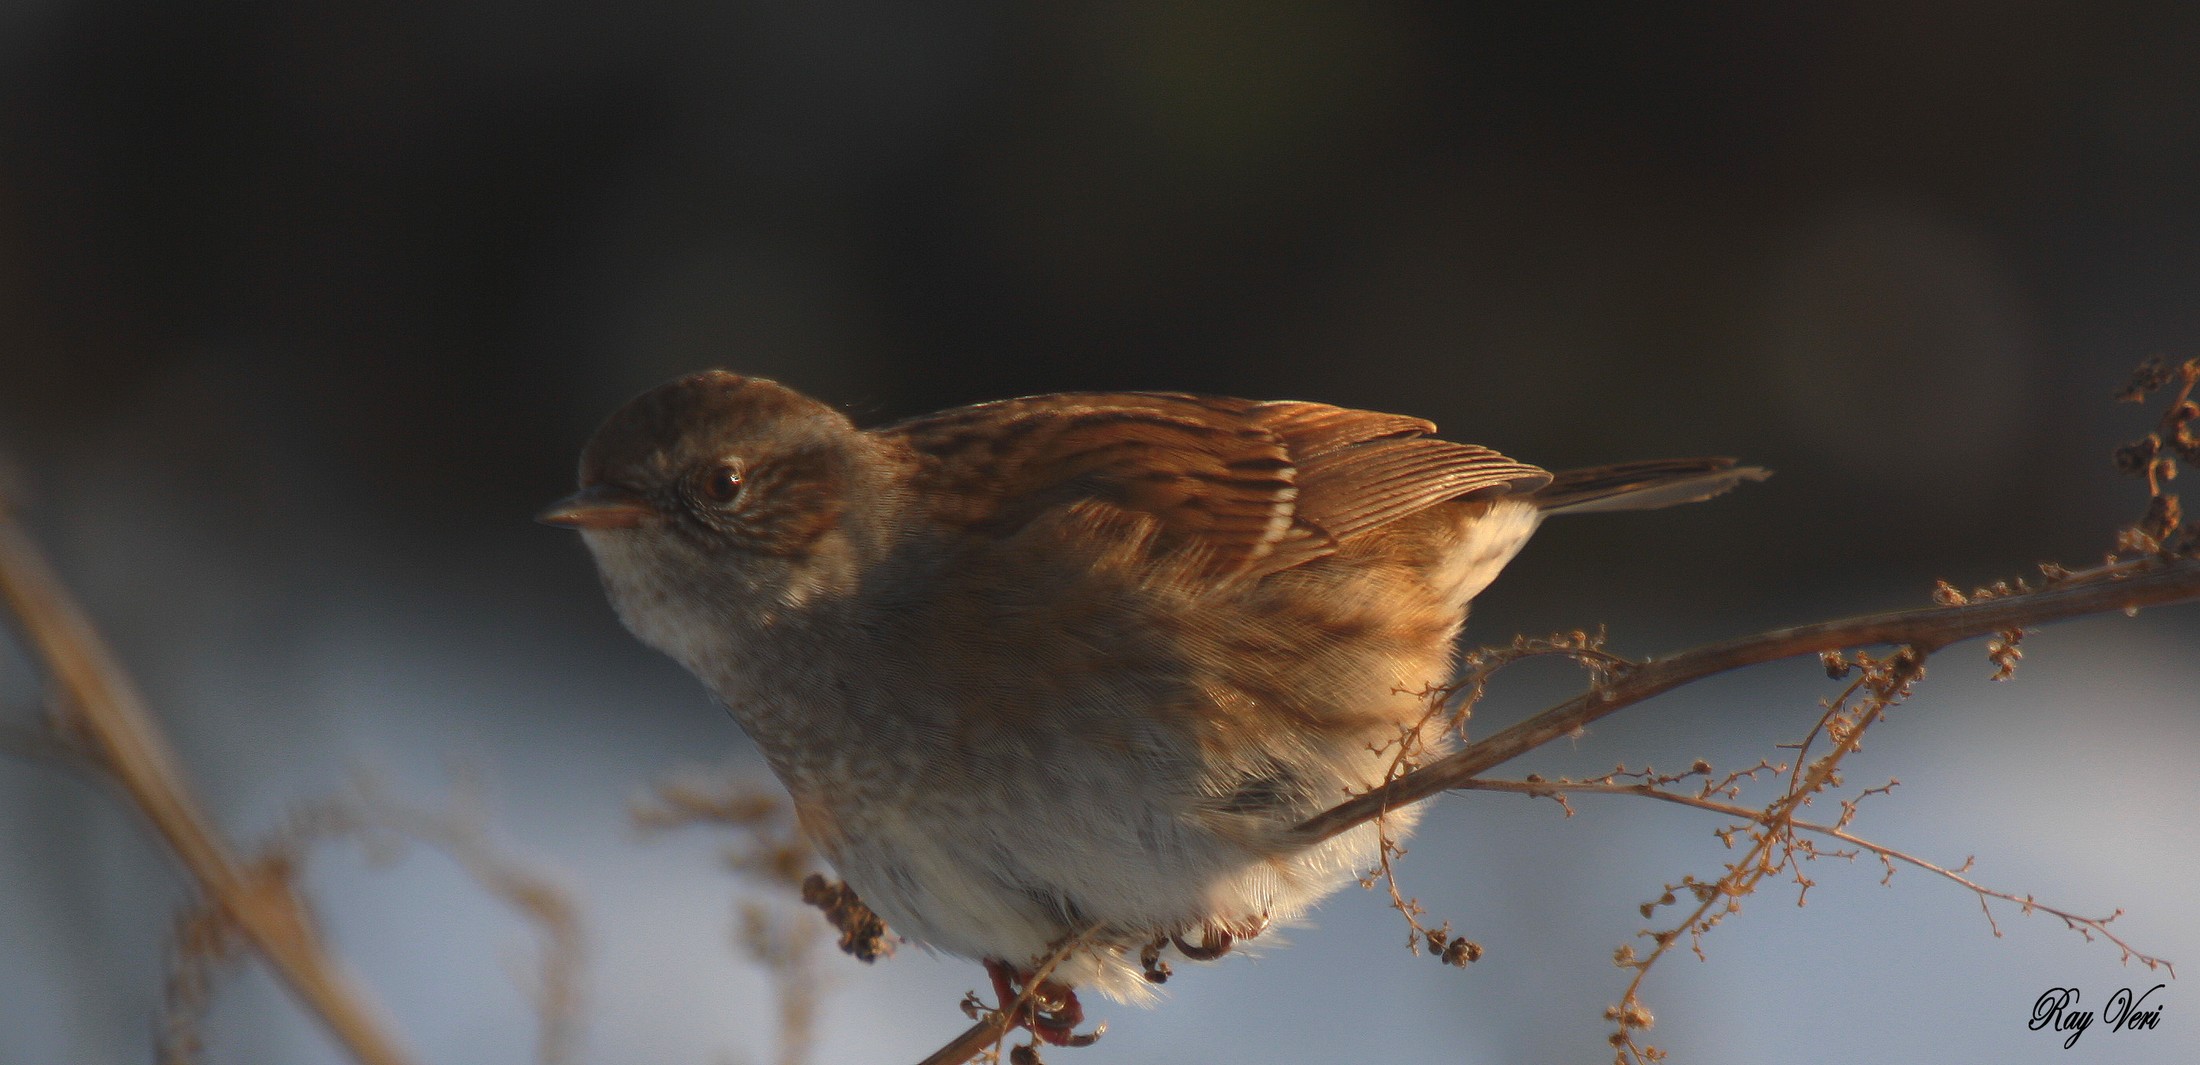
(2134,458)
(2150,375)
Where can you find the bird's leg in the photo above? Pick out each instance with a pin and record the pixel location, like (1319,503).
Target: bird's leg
(1052,1014)
(1213,943)
(1157,971)
(1003,976)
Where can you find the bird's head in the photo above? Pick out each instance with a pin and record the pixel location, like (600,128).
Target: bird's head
(721,501)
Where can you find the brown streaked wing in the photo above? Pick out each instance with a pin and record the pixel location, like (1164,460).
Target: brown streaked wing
(1200,468)
(1262,486)
(1312,430)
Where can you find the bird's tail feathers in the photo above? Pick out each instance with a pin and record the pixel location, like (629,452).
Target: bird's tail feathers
(1642,485)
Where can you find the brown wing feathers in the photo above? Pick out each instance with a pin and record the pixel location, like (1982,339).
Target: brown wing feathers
(1354,489)
(1312,430)
(1260,485)
(1204,474)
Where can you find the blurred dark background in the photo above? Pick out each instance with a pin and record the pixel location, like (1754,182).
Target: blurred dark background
(414,251)
(306,307)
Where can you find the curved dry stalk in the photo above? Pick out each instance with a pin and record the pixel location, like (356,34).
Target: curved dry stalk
(994,1025)
(463,835)
(1881,684)
(971,1043)
(2124,587)
(2083,925)
(102,711)
(771,850)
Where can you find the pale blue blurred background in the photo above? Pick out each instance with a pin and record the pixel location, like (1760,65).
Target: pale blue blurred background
(304,310)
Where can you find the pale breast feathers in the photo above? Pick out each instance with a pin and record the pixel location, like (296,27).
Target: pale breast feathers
(1259,487)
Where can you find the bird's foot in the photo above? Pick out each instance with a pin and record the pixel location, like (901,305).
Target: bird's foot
(1149,959)
(1213,943)
(1051,1014)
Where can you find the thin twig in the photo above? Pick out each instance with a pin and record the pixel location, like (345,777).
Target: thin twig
(1927,629)
(772,851)
(971,1043)
(105,710)
(2075,921)
(994,1026)
(462,833)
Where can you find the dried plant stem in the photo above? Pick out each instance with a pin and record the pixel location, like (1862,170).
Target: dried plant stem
(101,709)
(2079,922)
(968,1045)
(466,839)
(2118,587)
(994,1026)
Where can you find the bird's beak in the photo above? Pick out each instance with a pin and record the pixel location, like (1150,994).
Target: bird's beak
(598,506)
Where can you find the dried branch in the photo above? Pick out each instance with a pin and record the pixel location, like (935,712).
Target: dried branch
(462,833)
(973,1042)
(770,850)
(2127,586)
(2076,922)
(101,709)
(994,1024)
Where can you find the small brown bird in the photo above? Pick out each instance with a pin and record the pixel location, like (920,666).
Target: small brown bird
(1065,666)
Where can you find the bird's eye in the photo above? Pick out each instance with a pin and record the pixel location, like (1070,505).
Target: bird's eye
(722,483)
